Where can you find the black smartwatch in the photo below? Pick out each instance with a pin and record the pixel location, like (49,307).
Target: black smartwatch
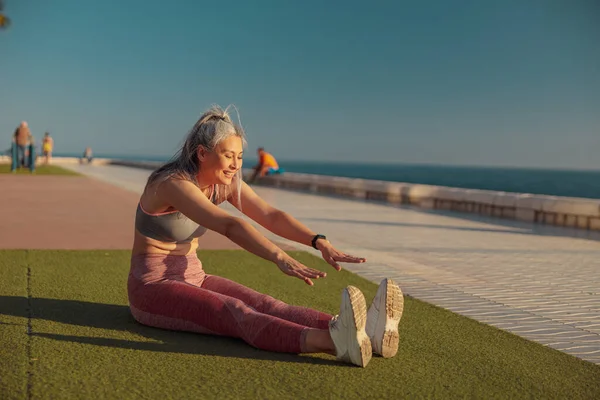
(317,237)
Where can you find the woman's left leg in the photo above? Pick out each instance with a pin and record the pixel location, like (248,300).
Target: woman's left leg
(266,304)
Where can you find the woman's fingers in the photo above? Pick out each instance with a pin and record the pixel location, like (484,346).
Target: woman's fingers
(305,274)
(296,269)
(320,273)
(298,273)
(314,273)
(311,273)
(334,264)
(348,258)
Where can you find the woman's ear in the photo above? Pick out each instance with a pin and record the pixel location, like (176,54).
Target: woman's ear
(201,153)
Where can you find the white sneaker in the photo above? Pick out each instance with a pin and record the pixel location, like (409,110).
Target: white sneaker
(383,318)
(348,329)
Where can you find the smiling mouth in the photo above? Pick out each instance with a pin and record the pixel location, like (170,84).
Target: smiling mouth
(229,174)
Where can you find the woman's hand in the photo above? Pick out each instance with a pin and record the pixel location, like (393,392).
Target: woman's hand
(333,256)
(291,267)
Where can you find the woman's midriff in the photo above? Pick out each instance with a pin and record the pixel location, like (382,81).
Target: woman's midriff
(145,245)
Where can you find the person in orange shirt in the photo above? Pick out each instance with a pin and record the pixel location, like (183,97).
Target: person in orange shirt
(266,165)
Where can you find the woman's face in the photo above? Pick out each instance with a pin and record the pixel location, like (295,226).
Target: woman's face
(220,165)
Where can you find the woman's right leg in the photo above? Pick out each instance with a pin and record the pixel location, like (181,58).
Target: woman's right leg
(178,305)
(266,304)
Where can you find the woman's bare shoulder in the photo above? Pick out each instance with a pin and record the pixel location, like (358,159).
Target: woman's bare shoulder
(153,197)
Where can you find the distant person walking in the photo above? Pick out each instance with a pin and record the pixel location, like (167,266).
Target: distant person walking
(22,139)
(47,146)
(266,165)
(87,156)
(168,288)
(30,153)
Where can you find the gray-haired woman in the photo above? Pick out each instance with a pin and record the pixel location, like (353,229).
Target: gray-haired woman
(168,288)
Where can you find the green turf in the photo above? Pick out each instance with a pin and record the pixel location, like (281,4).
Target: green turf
(84,343)
(39,170)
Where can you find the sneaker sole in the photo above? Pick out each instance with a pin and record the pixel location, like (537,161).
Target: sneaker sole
(386,328)
(359,350)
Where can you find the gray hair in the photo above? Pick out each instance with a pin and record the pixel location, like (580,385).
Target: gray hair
(214,126)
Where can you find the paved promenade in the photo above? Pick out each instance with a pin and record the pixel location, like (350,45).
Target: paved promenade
(72,213)
(539,282)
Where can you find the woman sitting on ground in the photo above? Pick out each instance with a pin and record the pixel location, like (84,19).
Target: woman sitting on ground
(168,288)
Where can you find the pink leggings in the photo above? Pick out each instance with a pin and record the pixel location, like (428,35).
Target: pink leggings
(173,292)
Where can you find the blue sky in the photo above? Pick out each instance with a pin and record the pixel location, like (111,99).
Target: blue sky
(511,83)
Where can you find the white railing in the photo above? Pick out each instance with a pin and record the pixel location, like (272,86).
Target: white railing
(554,210)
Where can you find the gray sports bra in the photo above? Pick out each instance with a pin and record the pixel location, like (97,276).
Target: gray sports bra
(170,226)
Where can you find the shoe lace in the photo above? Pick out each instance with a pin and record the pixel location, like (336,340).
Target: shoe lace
(334,322)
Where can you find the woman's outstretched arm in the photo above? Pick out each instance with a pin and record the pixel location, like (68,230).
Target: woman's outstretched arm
(286,226)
